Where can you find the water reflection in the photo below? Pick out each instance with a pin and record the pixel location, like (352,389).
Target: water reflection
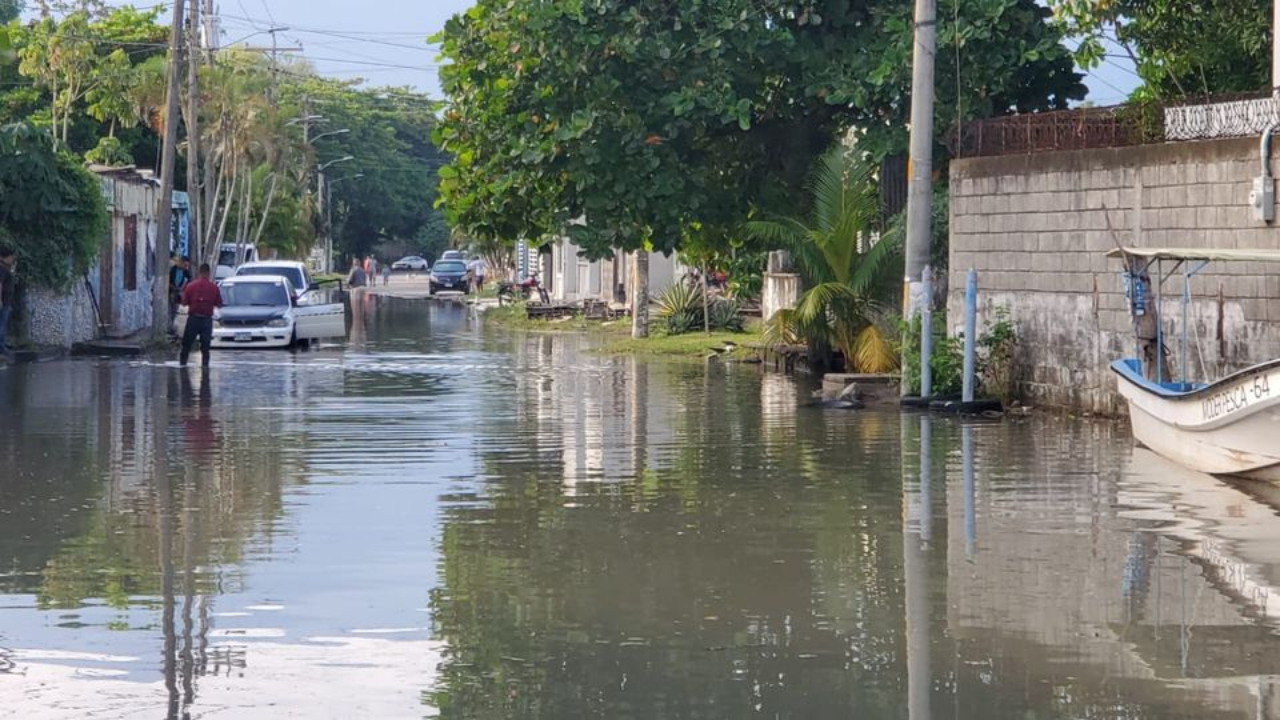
(440,519)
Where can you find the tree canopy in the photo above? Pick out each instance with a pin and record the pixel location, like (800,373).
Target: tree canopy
(1179,48)
(640,119)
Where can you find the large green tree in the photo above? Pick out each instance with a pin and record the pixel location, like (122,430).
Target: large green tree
(1179,48)
(640,119)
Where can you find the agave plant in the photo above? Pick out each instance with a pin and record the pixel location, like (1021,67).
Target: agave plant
(847,265)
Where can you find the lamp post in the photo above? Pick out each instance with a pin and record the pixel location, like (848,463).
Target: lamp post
(322,198)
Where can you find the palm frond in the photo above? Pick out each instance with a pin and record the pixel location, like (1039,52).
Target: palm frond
(871,351)
(821,302)
(781,329)
(872,264)
(784,232)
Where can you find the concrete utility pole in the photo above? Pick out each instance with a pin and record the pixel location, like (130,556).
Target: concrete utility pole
(164,213)
(920,166)
(195,230)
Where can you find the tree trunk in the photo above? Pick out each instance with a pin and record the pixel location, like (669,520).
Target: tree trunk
(706,304)
(266,211)
(640,299)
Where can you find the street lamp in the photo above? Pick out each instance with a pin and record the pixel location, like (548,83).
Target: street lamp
(326,213)
(325,166)
(343,131)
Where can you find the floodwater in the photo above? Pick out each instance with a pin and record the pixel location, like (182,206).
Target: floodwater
(439,520)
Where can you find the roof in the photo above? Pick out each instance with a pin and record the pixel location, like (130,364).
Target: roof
(1208,254)
(273,263)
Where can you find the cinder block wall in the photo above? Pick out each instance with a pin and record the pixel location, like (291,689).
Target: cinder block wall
(1037,227)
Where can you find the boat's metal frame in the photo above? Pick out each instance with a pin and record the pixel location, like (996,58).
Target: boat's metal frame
(1230,426)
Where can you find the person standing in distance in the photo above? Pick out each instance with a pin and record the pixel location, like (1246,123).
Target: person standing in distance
(202,298)
(8,263)
(357,277)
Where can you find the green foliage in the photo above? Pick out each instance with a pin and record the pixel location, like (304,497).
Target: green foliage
(994,364)
(10,10)
(645,120)
(680,308)
(997,348)
(848,269)
(109,151)
(1179,48)
(53,212)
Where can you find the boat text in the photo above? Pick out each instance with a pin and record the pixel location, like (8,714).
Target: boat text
(1236,398)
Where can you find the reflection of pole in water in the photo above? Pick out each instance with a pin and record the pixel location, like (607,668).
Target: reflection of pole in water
(164,502)
(915,541)
(970,492)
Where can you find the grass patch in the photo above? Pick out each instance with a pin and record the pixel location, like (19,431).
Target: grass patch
(688,345)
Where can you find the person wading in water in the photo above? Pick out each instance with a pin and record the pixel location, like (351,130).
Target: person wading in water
(201,297)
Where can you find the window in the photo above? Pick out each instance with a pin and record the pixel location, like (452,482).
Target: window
(131,252)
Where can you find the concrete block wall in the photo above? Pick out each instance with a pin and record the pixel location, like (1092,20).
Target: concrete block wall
(1037,229)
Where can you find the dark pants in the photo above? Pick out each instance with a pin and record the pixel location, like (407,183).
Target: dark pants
(5,313)
(201,327)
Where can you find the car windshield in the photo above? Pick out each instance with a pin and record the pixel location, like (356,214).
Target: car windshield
(450,266)
(228,256)
(294,274)
(258,294)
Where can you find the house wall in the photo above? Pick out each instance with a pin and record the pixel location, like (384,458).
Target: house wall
(1037,227)
(574,278)
(66,319)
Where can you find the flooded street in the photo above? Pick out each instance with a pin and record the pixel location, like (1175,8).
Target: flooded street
(439,519)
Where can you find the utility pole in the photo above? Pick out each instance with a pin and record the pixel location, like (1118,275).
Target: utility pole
(195,232)
(920,164)
(164,213)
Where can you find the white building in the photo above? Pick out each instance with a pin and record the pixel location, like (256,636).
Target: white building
(570,277)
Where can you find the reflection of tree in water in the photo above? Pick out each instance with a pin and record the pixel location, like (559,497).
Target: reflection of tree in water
(171,485)
(720,576)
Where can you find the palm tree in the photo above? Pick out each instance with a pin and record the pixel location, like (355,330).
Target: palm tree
(846,262)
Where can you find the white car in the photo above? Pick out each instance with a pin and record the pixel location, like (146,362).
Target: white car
(263,311)
(296,273)
(412,262)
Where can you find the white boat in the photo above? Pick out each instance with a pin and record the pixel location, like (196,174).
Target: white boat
(1229,426)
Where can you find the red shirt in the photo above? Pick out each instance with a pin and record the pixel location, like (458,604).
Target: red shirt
(201,296)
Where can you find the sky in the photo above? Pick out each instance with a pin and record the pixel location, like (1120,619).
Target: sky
(384,41)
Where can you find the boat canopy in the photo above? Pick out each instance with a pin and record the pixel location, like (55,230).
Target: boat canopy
(1206,254)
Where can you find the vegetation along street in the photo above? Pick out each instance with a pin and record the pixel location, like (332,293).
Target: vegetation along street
(639,359)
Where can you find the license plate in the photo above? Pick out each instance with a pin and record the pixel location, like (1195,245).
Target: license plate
(244,337)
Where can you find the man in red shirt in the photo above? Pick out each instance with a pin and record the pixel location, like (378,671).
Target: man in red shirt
(201,297)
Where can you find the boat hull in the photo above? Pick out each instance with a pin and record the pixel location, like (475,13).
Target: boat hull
(1231,427)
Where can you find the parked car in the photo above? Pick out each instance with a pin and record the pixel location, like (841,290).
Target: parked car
(262,311)
(227,259)
(412,262)
(452,255)
(450,275)
(297,273)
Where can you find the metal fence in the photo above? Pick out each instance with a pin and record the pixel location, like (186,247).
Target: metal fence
(1137,123)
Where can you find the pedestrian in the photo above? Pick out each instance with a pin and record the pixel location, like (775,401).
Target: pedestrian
(179,276)
(478,270)
(8,266)
(372,270)
(386,275)
(357,277)
(202,298)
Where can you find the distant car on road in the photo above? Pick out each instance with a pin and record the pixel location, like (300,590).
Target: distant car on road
(412,262)
(298,275)
(450,275)
(452,255)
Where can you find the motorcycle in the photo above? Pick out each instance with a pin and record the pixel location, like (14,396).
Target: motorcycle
(508,291)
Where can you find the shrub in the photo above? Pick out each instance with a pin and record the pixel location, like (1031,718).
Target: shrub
(680,309)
